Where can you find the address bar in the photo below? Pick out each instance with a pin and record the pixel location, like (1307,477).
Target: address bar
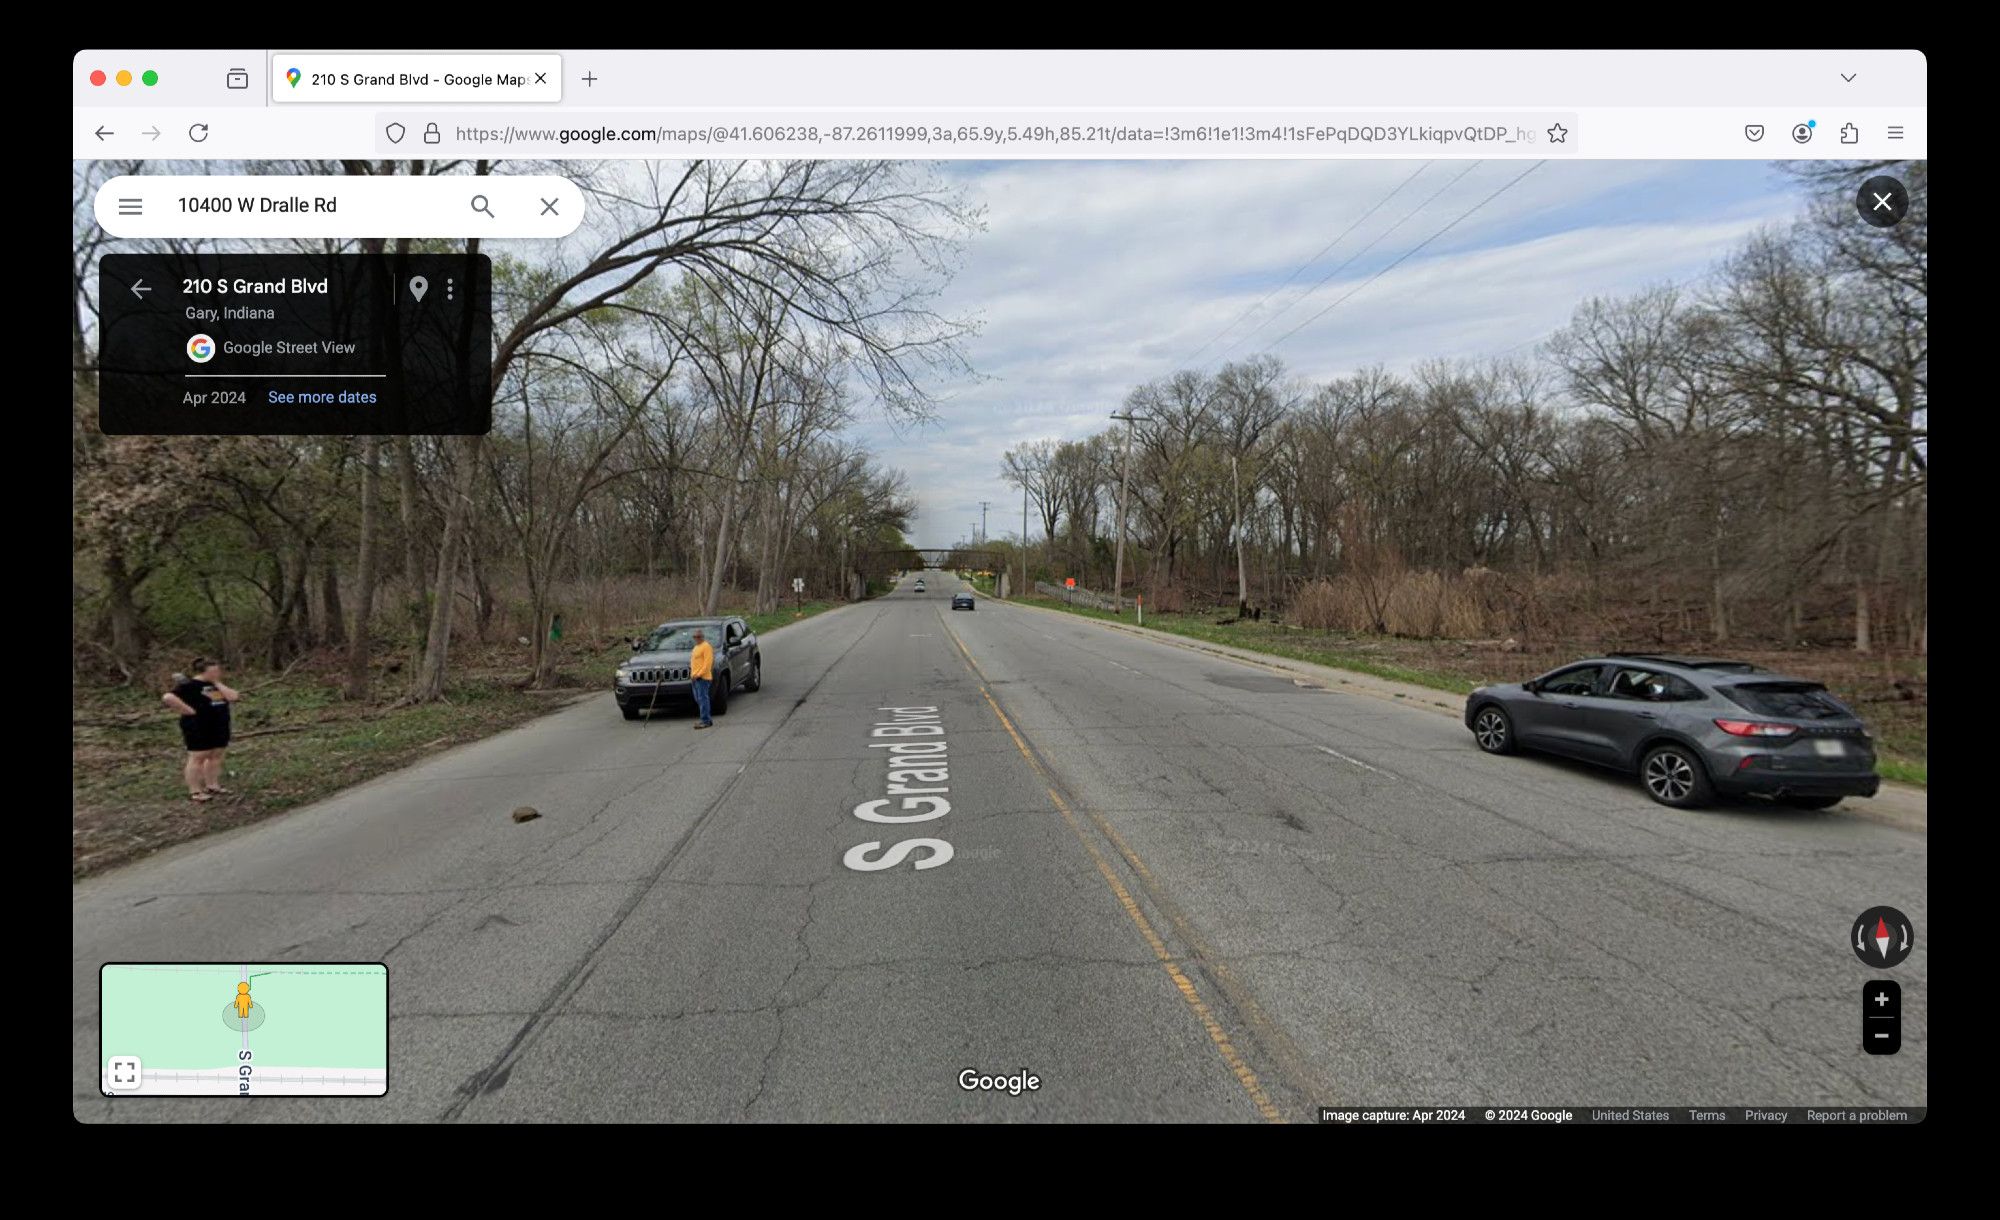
(452,206)
(973,134)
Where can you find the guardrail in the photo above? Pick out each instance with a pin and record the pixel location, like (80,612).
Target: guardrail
(1081,597)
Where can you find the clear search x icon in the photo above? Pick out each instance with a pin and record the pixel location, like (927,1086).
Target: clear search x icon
(479,205)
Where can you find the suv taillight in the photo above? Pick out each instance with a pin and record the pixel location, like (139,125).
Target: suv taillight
(1755,728)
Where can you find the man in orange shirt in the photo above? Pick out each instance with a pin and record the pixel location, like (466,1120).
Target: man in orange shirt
(701,667)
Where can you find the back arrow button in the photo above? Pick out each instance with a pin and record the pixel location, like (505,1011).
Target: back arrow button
(101,132)
(139,289)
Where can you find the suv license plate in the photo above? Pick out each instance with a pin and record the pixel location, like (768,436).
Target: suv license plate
(1829,749)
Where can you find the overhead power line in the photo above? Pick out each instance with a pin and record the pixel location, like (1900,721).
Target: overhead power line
(1300,270)
(1407,254)
(1409,216)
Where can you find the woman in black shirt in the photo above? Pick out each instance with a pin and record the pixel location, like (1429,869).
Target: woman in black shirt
(203,703)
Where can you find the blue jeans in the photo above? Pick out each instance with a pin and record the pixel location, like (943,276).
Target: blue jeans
(701,699)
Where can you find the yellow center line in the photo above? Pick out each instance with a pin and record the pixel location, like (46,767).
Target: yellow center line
(1188,992)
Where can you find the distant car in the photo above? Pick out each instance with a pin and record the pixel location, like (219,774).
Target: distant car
(1688,727)
(656,678)
(920,586)
(961,601)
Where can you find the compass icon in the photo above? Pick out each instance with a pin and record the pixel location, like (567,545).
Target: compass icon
(1881,937)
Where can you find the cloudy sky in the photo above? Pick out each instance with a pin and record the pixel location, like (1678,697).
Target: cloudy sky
(1092,277)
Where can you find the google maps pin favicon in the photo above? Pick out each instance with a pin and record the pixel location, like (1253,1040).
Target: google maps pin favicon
(292,75)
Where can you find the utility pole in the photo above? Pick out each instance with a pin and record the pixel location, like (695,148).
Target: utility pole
(982,523)
(1024,541)
(1124,477)
(1242,577)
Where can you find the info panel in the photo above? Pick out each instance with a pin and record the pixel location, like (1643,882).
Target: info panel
(383,344)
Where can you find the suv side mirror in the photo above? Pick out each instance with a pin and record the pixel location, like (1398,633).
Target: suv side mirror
(638,645)
(1533,686)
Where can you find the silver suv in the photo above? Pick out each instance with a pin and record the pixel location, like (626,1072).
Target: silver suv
(1688,727)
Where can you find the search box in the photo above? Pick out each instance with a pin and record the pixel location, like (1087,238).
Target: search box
(339,206)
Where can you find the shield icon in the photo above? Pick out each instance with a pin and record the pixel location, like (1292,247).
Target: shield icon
(1753,132)
(395,133)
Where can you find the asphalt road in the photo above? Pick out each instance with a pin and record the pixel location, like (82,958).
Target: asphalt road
(1180,888)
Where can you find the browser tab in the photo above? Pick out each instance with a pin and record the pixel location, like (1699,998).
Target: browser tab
(322,78)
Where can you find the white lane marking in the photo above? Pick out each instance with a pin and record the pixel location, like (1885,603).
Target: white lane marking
(1045,635)
(1357,762)
(1127,668)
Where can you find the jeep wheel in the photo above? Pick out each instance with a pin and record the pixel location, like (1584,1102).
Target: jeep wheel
(756,680)
(1674,776)
(718,695)
(631,713)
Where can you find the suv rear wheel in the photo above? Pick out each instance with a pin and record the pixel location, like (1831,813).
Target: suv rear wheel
(1674,776)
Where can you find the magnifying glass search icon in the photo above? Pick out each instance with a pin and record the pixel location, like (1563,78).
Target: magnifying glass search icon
(479,205)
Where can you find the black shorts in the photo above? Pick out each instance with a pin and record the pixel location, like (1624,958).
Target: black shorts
(202,734)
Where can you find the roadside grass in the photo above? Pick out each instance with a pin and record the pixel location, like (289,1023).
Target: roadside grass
(296,739)
(1884,691)
(1268,638)
(761,623)
(1902,770)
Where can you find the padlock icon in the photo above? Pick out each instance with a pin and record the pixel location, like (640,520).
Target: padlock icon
(431,135)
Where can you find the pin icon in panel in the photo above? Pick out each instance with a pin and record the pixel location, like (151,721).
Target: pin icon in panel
(418,286)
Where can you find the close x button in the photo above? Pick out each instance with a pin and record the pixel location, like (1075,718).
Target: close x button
(1882,201)
(1881,1018)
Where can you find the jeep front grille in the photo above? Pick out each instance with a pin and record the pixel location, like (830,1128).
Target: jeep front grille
(657,675)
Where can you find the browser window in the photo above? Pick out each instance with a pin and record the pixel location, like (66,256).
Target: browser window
(1048,586)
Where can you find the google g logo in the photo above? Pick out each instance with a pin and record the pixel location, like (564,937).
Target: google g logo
(201,349)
